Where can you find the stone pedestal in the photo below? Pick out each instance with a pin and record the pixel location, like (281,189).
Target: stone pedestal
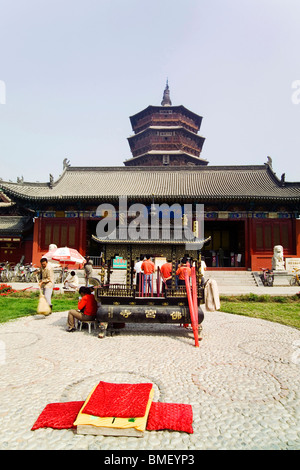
(281,278)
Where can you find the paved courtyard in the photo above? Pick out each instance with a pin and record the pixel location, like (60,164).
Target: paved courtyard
(242,382)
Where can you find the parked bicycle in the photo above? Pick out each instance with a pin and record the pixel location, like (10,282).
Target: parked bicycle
(6,272)
(60,274)
(267,277)
(18,273)
(31,273)
(295,279)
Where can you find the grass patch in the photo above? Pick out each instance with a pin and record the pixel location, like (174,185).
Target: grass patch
(22,304)
(279,309)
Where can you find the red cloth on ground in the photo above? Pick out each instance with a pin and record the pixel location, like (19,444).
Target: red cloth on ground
(171,416)
(118,400)
(58,415)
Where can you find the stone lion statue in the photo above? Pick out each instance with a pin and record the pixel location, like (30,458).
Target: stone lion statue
(277,260)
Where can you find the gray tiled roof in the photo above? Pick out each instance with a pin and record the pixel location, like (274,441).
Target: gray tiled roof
(14,225)
(205,183)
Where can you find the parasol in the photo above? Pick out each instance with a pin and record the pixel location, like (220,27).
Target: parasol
(65,255)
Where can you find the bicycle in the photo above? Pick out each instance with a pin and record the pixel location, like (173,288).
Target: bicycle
(6,272)
(60,274)
(16,273)
(28,273)
(267,277)
(2,269)
(34,271)
(295,279)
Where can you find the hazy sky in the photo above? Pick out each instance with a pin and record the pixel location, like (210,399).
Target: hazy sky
(73,71)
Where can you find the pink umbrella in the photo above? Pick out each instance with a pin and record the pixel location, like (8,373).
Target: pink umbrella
(65,255)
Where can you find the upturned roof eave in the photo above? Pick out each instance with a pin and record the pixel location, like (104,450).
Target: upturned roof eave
(282,192)
(180,106)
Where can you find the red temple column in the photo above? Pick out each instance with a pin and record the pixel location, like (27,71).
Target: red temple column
(298,238)
(36,241)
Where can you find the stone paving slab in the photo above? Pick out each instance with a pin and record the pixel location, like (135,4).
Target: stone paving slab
(242,382)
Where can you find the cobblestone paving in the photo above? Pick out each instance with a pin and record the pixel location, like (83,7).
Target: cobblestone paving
(242,382)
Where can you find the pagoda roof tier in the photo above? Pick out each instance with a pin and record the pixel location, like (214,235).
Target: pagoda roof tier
(193,158)
(165,110)
(167,129)
(198,183)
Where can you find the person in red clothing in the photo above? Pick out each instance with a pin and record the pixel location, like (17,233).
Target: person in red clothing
(148,268)
(87,308)
(181,270)
(166,272)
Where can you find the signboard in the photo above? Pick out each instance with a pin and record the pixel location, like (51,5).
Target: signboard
(292,263)
(159,261)
(119,263)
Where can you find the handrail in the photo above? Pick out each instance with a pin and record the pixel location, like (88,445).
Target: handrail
(193,313)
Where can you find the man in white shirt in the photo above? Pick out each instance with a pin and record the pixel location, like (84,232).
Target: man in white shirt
(137,270)
(203,268)
(72,281)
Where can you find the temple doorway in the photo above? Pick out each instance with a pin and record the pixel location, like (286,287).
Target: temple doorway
(227,246)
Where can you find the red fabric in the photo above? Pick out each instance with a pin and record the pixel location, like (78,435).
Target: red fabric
(172,416)
(181,270)
(166,270)
(58,415)
(148,267)
(118,400)
(89,304)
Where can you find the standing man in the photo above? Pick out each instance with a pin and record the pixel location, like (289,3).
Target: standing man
(148,267)
(202,269)
(88,270)
(181,271)
(137,270)
(47,280)
(166,271)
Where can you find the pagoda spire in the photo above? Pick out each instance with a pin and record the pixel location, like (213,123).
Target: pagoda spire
(166,101)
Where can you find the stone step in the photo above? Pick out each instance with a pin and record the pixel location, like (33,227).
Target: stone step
(224,278)
(118,276)
(232,278)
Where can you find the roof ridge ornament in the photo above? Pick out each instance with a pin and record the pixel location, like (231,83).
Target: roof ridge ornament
(166,101)
(269,162)
(66,163)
